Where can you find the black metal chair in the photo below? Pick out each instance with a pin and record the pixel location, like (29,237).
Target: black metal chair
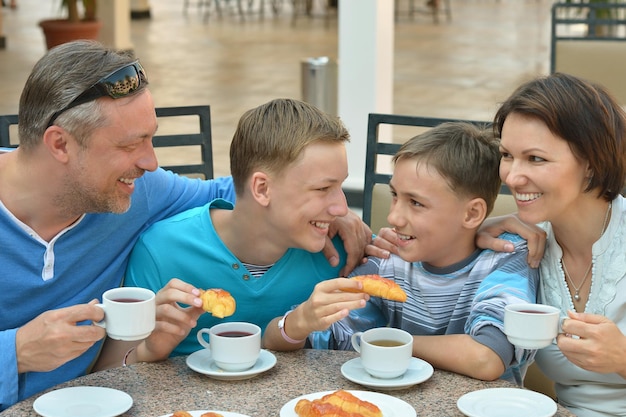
(588,40)
(199,142)
(376,200)
(200,139)
(6,121)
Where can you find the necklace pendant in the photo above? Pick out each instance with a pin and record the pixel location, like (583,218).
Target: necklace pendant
(576,296)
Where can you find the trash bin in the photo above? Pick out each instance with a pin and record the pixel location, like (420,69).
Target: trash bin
(319,83)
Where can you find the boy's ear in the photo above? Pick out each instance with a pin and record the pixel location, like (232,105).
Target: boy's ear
(259,188)
(475,213)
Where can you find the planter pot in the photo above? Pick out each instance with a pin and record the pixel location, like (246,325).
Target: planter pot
(58,31)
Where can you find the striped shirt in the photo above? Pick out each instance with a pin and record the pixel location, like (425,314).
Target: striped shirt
(465,298)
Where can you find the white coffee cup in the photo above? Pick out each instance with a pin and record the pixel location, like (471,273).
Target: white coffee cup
(385,351)
(531,326)
(129,313)
(235,346)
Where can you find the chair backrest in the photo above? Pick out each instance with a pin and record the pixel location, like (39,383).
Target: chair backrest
(196,146)
(188,154)
(376,195)
(588,40)
(6,121)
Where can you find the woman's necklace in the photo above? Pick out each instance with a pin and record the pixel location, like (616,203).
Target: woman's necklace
(576,289)
(567,276)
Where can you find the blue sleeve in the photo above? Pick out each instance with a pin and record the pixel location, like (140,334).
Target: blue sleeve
(513,281)
(167,193)
(8,364)
(221,187)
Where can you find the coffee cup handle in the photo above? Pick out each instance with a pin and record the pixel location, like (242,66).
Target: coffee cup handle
(561,321)
(356,341)
(201,340)
(102,322)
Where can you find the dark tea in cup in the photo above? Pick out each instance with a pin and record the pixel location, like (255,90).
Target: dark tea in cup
(234,334)
(126,300)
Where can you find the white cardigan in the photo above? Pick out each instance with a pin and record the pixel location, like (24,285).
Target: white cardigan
(588,394)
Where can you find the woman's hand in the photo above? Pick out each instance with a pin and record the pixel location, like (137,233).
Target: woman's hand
(600,346)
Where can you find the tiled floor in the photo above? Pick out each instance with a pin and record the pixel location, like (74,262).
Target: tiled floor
(460,69)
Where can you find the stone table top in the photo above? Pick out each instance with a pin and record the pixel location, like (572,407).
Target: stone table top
(161,388)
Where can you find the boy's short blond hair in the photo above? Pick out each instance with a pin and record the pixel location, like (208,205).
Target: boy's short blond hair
(466,155)
(272,136)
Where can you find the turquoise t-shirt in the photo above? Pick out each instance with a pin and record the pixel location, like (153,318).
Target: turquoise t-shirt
(187,247)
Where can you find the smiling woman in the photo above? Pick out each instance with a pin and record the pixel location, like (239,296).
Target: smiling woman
(563,143)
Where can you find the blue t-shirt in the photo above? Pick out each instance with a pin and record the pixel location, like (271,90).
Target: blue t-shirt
(187,247)
(77,266)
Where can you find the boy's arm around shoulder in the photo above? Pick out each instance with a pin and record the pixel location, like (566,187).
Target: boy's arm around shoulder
(509,280)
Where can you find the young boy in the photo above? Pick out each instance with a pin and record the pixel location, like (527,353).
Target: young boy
(288,162)
(445,182)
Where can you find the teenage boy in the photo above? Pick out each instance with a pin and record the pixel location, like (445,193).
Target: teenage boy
(288,162)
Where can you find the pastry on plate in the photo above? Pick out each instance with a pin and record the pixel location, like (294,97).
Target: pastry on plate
(337,404)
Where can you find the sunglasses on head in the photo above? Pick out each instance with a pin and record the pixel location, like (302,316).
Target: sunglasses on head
(119,83)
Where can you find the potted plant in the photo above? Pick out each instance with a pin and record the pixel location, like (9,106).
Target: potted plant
(74,26)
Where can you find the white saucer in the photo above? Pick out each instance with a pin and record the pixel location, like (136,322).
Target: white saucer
(201,361)
(418,372)
(510,402)
(83,401)
(198,413)
(389,406)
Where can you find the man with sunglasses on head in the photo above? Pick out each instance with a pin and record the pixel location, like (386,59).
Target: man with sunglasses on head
(74,197)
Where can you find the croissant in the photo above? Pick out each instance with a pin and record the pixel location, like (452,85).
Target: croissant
(218,302)
(181,414)
(337,404)
(378,286)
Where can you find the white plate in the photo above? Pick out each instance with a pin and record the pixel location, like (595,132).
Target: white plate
(390,406)
(419,371)
(201,361)
(83,401)
(198,413)
(509,402)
